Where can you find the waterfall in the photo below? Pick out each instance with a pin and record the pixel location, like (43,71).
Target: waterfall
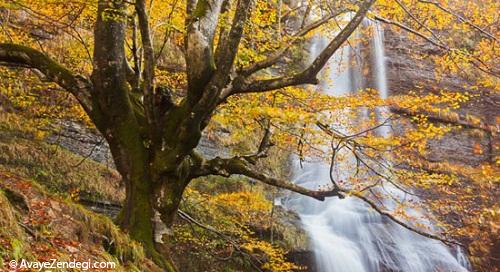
(346,235)
(379,60)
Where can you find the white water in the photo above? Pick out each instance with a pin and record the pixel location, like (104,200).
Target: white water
(346,235)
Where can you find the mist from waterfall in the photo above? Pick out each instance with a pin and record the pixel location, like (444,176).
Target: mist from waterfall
(346,235)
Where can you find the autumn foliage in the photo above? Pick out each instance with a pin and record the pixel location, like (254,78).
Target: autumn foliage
(460,39)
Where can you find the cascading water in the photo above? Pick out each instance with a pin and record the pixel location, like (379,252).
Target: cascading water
(346,235)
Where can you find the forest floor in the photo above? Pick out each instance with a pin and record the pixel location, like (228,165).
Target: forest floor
(36,225)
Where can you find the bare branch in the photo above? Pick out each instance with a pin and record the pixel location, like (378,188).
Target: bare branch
(185,216)
(264,146)
(265,142)
(306,14)
(413,31)
(68,28)
(399,222)
(289,12)
(461,18)
(168,31)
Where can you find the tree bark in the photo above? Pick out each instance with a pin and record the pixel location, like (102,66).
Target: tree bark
(137,211)
(141,201)
(168,195)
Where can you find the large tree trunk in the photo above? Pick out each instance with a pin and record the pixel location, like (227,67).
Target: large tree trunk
(138,213)
(148,191)
(137,218)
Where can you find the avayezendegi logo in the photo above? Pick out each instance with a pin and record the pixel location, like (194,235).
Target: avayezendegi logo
(54,264)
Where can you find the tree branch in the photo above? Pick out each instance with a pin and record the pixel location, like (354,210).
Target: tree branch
(399,222)
(185,216)
(134,74)
(413,31)
(443,47)
(149,61)
(307,76)
(461,18)
(418,21)
(264,146)
(204,98)
(240,166)
(277,55)
(201,25)
(230,43)
(31,58)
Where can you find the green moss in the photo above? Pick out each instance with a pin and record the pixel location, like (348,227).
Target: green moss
(55,167)
(122,247)
(216,184)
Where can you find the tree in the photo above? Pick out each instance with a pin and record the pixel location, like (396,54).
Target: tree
(153,143)
(151,135)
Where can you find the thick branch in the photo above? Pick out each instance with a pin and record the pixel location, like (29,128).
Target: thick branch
(230,43)
(201,24)
(239,166)
(203,93)
(307,76)
(31,58)
(449,118)
(149,60)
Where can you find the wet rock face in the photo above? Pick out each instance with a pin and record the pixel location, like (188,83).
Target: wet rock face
(288,233)
(464,146)
(303,258)
(89,144)
(410,68)
(82,141)
(405,73)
